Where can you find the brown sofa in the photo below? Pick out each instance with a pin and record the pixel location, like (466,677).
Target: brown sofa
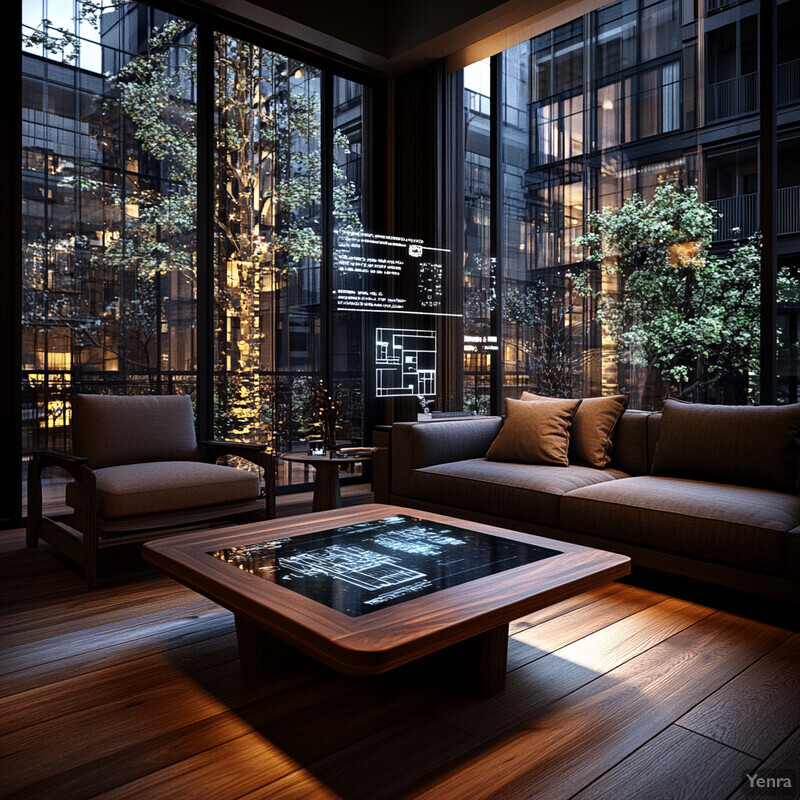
(716,502)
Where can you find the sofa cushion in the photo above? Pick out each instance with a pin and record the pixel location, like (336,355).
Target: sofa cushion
(590,438)
(163,486)
(629,453)
(745,527)
(526,492)
(745,445)
(117,429)
(535,433)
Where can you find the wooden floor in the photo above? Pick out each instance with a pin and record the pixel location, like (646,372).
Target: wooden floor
(133,690)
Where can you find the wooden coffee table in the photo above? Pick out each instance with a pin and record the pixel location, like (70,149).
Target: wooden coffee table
(354,593)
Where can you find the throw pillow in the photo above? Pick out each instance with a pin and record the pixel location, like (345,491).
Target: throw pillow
(745,445)
(535,433)
(591,437)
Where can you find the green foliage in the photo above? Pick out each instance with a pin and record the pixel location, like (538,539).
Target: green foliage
(476,402)
(543,337)
(269,170)
(665,301)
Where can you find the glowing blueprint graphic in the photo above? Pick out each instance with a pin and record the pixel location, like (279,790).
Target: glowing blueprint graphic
(371,565)
(405,362)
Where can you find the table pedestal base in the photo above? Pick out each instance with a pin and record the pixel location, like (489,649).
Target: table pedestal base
(477,665)
(327,492)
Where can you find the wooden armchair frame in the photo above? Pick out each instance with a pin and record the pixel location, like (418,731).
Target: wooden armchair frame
(81,535)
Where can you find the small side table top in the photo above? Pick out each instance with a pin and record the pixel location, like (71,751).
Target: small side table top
(327,492)
(301,457)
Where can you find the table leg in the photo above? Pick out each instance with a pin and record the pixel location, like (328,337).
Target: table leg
(477,664)
(261,654)
(327,493)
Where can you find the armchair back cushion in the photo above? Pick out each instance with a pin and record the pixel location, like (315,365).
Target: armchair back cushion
(115,429)
(743,445)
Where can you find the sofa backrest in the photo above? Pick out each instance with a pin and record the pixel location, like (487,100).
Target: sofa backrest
(115,429)
(743,445)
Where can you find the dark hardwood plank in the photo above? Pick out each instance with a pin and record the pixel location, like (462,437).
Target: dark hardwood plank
(66,693)
(568,744)
(784,760)
(396,757)
(82,610)
(573,625)
(555,675)
(677,764)
(135,690)
(171,703)
(759,708)
(225,772)
(277,703)
(96,638)
(597,595)
(77,659)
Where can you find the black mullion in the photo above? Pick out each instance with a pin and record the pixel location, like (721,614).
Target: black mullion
(11,296)
(768,174)
(495,235)
(205,230)
(326,229)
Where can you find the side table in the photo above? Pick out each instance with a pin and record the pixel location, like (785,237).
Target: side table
(327,493)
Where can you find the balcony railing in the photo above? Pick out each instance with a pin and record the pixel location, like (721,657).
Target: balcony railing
(732,98)
(712,6)
(789,82)
(741,215)
(789,210)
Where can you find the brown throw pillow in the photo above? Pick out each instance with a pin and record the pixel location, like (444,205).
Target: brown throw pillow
(745,445)
(591,437)
(535,433)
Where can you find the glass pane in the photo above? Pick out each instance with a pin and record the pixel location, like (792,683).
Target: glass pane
(108,209)
(788,334)
(543,202)
(267,244)
(349,331)
(673,309)
(479,287)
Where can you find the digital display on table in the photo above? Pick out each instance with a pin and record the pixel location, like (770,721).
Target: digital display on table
(371,565)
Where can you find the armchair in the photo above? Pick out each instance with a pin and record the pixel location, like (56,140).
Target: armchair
(138,473)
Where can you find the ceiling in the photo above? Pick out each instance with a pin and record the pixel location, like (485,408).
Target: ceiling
(389,37)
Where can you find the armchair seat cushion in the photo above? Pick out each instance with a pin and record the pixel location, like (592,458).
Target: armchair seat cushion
(744,527)
(528,492)
(160,487)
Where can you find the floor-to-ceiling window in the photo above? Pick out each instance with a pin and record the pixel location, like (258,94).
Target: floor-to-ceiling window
(589,115)
(111,188)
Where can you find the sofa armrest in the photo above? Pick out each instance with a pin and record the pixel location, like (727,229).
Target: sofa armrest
(423,444)
(54,458)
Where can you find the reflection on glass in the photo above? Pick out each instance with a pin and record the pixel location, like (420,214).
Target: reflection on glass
(108,208)
(268,244)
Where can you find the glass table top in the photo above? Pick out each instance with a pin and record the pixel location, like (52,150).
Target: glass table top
(359,568)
